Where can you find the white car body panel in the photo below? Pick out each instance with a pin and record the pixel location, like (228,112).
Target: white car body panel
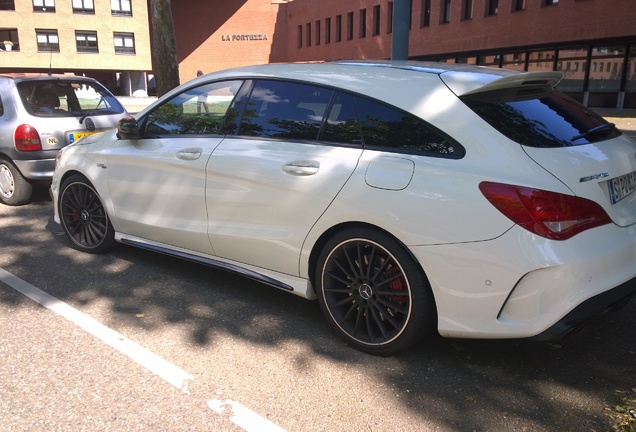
(246,176)
(263,206)
(157,189)
(604,159)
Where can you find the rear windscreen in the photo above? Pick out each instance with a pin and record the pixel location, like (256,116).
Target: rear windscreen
(552,120)
(67,98)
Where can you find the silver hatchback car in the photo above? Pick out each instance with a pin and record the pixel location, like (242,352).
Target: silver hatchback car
(40,114)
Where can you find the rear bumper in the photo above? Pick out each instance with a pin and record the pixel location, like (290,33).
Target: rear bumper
(613,299)
(39,170)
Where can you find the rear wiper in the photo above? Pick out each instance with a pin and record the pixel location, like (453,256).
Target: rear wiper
(86,114)
(606,127)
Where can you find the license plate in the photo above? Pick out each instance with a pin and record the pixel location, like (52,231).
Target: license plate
(622,186)
(72,137)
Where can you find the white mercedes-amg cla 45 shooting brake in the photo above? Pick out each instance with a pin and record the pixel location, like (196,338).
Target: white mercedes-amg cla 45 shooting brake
(406,198)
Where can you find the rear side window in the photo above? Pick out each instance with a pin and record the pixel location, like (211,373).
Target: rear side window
(67,98)
(288,110)
(554,120)
(277,109)
(388,128)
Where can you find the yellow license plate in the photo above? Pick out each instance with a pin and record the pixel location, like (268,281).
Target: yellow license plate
(75,136)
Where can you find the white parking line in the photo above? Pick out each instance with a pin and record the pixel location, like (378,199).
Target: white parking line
(241,416)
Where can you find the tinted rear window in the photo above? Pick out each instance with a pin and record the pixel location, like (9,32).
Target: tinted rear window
(551,121)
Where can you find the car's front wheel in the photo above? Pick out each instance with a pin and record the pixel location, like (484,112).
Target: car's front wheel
(373,292)
(84,217)
(15,190)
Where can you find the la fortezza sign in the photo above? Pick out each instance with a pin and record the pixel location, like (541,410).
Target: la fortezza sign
(243,37)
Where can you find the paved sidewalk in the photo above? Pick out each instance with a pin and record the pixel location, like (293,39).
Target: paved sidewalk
(135,104)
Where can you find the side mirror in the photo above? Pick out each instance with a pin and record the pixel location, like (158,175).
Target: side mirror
(128,129)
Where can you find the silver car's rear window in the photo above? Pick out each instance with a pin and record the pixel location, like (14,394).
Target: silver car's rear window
(548,121)
(67,98)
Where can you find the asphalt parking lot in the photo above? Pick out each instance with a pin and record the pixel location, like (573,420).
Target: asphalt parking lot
(250,348)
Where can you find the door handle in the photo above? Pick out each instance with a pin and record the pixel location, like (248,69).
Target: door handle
(190,153)
(302,168)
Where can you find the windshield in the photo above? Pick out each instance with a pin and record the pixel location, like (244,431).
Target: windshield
(67,98)
(553,120)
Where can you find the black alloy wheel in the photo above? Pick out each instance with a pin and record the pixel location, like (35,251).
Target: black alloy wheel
(373,292)
(83,216)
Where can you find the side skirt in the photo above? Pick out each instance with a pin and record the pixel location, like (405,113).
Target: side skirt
(222,265)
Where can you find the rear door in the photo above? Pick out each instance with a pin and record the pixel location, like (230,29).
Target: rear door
(270,181)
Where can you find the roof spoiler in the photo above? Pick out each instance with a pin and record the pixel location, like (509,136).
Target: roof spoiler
(484,83)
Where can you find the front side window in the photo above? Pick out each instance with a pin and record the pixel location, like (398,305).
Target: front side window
(120,7)
(67,98)
(86,41)
(83,6)
(277,109)
(197,111)
(48,40)
(545,121)
(44,5)
(124,43)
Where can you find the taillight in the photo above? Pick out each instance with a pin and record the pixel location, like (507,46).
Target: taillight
(548,214)
(27,138)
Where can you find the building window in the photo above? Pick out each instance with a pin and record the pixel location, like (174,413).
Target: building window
(376,20)
(338,28)
(551,2)
(9,35)
(120,7)
(86,41)
(83,6)
(493,7)
(300,36)
(327,30)
(349,25)
(446,11)
(389,18)
(318,36)
(363,23)
(308,27)
(518,5)
(43,5)
(124,43)
(47,40)
(7,5)
(426,13)
(467,10)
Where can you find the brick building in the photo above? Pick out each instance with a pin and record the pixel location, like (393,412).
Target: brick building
(592,41)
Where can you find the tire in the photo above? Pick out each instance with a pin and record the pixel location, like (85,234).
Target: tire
(84,217)
(15,190)
(373,292)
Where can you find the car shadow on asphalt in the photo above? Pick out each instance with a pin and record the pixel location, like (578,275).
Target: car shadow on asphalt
(463,384)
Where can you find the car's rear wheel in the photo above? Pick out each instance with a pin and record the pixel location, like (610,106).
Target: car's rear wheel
(84,217)
(373,292)
(15,190)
